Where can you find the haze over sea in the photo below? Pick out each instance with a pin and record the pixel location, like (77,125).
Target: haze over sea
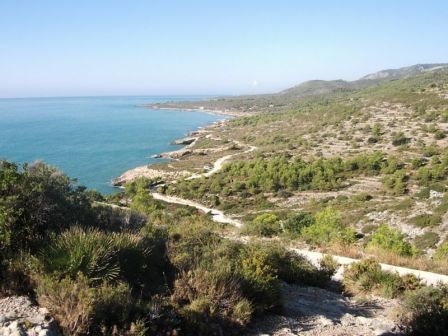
(93,139)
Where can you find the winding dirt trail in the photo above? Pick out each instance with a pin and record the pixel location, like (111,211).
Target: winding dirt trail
(221,161)
(315,257)
(218,216)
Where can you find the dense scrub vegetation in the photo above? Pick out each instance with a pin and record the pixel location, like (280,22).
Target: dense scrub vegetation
(141,270)
(280,173)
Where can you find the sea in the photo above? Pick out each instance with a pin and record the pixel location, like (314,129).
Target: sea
(94,139)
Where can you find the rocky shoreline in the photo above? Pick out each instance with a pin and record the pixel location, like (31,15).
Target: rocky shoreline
(147,171)
(226,112)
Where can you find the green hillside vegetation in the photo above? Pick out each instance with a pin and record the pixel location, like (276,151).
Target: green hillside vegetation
(350,168)
(372,149)
(144,270)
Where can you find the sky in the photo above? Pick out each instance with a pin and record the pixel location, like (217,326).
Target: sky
(167,47)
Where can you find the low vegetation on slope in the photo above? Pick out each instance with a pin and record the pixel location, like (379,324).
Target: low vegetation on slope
(359,170)
(375,153)
(144,270)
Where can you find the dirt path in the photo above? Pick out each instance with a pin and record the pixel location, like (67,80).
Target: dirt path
(217,215)
(315,257)
(221,161)
(427,277)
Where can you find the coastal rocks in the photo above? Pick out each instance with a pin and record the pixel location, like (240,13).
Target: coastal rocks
(184,141)
(145,171)
(176,154)
(19,317)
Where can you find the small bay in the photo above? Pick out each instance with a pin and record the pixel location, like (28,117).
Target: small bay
(93,139)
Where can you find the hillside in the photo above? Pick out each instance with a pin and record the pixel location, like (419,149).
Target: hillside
(288,98)
(223,239)
(376,154)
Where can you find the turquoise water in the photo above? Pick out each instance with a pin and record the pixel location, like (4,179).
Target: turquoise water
(92,139)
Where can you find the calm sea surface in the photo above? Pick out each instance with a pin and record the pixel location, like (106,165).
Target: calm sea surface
(93,139)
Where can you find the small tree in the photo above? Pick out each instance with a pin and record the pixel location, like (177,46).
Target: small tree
(328,228)
(297,222)
(391,239)
(265,225)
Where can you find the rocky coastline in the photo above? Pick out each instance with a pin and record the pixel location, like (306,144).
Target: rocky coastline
(150,172)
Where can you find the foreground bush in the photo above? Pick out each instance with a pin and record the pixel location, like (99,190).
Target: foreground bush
(428,308)
(211,302)
(367,276)
(35,201)
(81,309)
(99,256)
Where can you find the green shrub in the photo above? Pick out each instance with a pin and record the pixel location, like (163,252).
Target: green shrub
(367,276)
(428,308)
(397,182)
(207,297)
(260,281)
(391,239)
(441,251)
(425,220)
(81,309)
(90,252)
(297,222)
(399,139)
(35,202)
(328,228)
(265,225)
(427,240)
(362,197)
(138,260)
(139,191)
(438,135)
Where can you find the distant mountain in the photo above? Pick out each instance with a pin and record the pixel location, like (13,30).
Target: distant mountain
(404,72)
(287,99)
(315,87)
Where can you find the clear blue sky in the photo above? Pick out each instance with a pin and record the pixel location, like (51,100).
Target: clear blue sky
(133,47)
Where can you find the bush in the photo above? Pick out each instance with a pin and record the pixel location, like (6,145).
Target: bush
(81,309)
(397,182)
(362,197)
(428,308)
(297,222)
(438,135)
(427,240)
(425,220)
(390,239)
(328,228)
(399,139)
(207,297)
(70,301)
(35,202)
(260,281)
(441,252)
(99,256)
(367,276)
(265,225)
